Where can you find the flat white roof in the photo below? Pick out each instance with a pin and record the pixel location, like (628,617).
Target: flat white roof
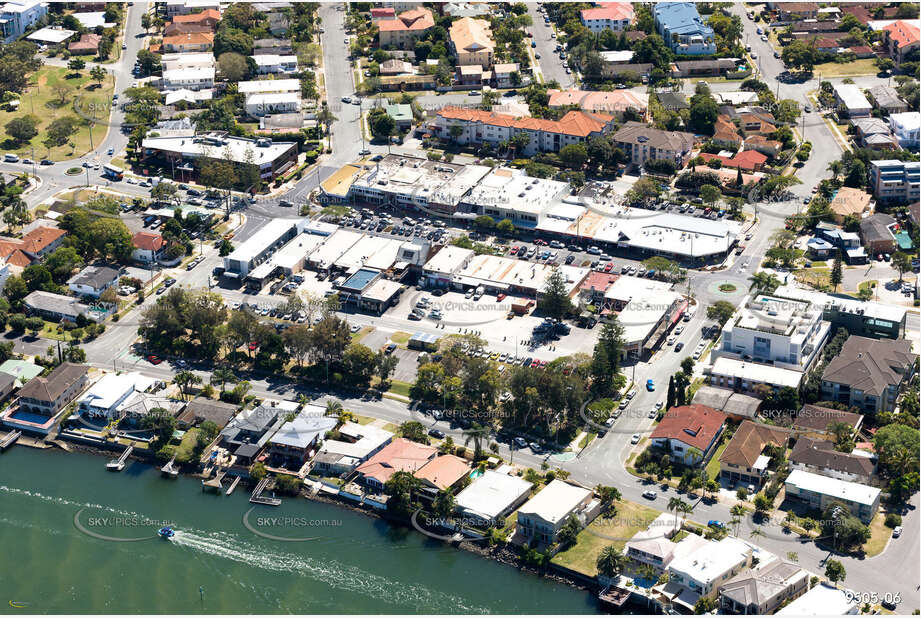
(822,600)
(513,190)
(448,260)
(505,272)
(198,73)
(273,98)
(91,20)
(372,251)
(273,59)
(627,287)
(112,389)
(852,97)
(555,501)
(269,85)
(367,439)
(267,236)
(51,35)
(306,427)
(872,309)
(492,493)
(712,560)
(836,488)
(335,247)
(233,148)
(747,370)
(187,59)
(617,56)
(382,290)
(295,251)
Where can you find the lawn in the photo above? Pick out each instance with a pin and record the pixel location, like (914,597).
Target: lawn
(356,337)
(43,100)
(400,338)
(400,388)
(879,535)
(713,466)
(863,66)
(185,448)
(630,519)
(815,277)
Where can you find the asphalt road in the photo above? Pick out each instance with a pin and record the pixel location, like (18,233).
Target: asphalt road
(550,64)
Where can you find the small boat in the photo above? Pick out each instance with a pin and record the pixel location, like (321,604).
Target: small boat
(166,532)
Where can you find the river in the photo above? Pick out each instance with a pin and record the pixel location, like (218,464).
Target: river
(54,506)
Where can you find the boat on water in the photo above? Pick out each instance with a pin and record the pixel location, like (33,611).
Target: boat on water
(166,532)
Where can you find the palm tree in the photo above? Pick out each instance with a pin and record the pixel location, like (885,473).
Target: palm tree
(475,435)
(333,407)
(764,282)
(184,379)
(738,512)
(677,504)
(610,562)
(835,167)
(222,376)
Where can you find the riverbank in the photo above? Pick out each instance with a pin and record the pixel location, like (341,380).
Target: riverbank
(351,564)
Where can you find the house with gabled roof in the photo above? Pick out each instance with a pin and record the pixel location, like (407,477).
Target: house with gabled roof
(690,433)
(744,461)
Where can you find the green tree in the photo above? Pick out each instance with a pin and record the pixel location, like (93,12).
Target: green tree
(569,532)
(401,488)
(610,562)
(901,261)
(799,54)
(554,300)
(573,156)
(415,431)
(721,311)
(834,571)
(22,128)
(836,272)
(382,125)
(76,64)
(184,380)
(710,194)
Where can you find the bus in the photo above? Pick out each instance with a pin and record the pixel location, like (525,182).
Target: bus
(112,171)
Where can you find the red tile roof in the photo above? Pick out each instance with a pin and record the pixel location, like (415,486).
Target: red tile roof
(191,38)
(195,18)
(382,12)
(575,122)
(410,21)
(443,471)
(401,455)
(86,42)
(609,10)
(40,238)
(695,425)
(148,241)
(599,281)
(903,33)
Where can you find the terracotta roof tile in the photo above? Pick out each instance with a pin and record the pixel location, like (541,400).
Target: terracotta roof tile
(695,425)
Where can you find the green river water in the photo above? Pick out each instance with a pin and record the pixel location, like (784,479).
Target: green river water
(215,564)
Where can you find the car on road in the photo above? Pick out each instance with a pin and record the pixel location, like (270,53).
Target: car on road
(354,328)
(678,346)
(897,532)
(715,523)
(652,413)
(635,438)
(777,54)
(437,433)
(650,495)
(519,442)
(535,447)
(154,360)
(169,282)
(807,109)
(364,152)
(650,385)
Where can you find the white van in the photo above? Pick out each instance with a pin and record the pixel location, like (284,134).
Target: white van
(11,158)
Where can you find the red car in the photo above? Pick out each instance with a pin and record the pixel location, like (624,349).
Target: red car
(535,364)
(542,365)
(540,242)
(513,250)
(500,296)
(253,345)
(154,360)
(608,267)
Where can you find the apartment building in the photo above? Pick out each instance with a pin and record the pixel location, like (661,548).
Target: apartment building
(471,42)
(17,17)
(541,518)
(819,491)
(705,570)
(869,373)
(50,394)
(683,30)
(402,31)
(895,181)
(642,143)
(616,16)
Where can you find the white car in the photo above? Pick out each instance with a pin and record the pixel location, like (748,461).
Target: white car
(635,439)
(671,340)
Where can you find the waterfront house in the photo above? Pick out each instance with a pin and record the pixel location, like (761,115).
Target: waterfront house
(653,546)
(7,385)
(743,460)
(541,518)
(700,574)
(869,373)
(106,397)
(819,491)
(763,588)
(401,455)
(21,370)
(491,497)
(821,457)
(689,434)
(48,395)
(297,439)
(247,433)
(202,409)
(442,473)
(93,281)
(355,444)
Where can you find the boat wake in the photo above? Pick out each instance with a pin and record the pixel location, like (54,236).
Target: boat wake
(15,491)
(329,572)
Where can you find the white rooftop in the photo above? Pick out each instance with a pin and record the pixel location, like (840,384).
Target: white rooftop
(617,56)
(51,35)
(871,309)
(852,97)
(187,59)
(822,600)
(448,259)
(112,389)
(836,488)
(628,287)
(492,493)
(367,440)
(273,98)
(306,427)
(712,560)
(198,73)
(184,94)
(514,190)
(555,501)
(755,372)
(334,247)
(273,59)
(92,20)
(295,251)
(269,85)
(265,237)
(235,149)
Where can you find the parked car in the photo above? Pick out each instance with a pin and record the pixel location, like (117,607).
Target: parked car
(391,348)
(520,442)
(635,439)
(437,433)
